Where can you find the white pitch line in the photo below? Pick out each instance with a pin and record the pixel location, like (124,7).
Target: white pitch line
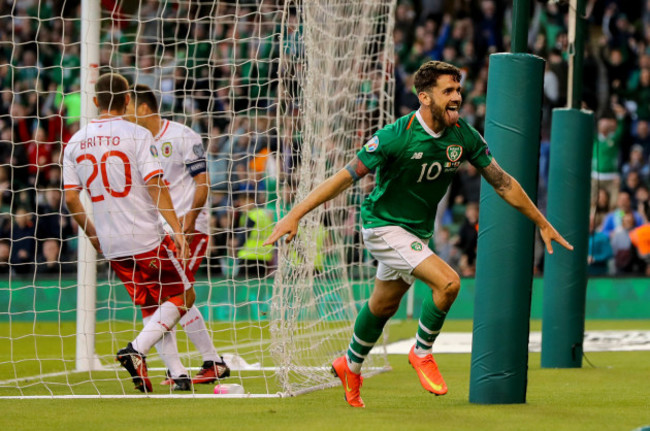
(594,341)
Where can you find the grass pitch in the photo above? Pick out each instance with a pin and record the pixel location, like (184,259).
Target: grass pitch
(613,395)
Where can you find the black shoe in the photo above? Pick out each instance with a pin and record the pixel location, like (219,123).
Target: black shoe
(135,363)
(211,371)
(182,383)
(168,379)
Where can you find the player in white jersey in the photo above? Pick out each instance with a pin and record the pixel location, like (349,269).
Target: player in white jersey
(114,160)
(182,157)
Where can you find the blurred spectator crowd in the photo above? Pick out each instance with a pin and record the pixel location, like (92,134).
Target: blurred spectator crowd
(197,66)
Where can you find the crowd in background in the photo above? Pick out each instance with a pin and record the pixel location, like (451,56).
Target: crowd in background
(195,70)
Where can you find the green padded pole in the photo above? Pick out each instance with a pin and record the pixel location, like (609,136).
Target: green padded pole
(565,272)
(520,18)
(504,268)
(576,60)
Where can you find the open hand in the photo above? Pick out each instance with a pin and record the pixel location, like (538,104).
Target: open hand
(549,234)
(287,226)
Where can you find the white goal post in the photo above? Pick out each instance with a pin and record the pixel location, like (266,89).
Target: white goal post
(86,360)
(283,94)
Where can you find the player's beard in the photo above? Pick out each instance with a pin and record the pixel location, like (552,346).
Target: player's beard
(444,116)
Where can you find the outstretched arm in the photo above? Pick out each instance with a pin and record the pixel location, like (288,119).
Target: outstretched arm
(512,192)
(328,189)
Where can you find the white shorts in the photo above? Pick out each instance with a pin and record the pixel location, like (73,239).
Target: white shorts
(397,251)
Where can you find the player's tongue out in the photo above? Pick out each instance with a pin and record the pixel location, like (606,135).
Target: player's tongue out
(452,114)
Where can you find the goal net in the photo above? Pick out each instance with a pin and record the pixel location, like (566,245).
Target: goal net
(283,94)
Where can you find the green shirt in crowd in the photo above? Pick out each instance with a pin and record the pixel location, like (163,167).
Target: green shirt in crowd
(606,148)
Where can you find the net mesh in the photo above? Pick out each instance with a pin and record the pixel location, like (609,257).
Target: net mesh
(283,94)
(343,65)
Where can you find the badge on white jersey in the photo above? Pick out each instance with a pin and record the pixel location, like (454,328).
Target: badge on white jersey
(167,149)
(372,144)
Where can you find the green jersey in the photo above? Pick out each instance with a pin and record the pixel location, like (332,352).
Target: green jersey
(605,154)
(414,170)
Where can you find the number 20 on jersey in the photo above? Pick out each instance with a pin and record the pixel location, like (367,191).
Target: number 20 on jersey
(100,168)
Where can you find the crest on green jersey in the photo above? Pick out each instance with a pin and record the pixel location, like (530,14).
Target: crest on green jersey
(417,246)
(454,152)
(372,144)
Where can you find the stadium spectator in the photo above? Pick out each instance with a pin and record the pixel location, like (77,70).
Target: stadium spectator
(614,218)
(637,163)
(128,230)
(601,207)
(466,186)
(488,37)
(5,253)
(254,227)
(640,94)
(599,251)
(445,248)
(555,79)
(640,238)
(223,244)
(53,219)
(607,143)
(468,240)
(626,259)
(23,242)
(51,261)
(641,135)
(217,164)
(229,158)
(5,189)
(642,198)
(631,184)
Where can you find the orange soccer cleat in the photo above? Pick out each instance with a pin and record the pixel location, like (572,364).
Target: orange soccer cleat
(351,382)
(212,371)
(136,364)
(428,372)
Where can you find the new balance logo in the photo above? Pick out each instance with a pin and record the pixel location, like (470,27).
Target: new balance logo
(416,156)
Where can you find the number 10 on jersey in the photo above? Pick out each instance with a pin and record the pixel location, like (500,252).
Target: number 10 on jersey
(431,173)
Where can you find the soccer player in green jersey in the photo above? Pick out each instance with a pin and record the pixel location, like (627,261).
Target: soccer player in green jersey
(415,159)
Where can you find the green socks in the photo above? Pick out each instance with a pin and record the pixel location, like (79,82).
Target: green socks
(429,326)
(367,330)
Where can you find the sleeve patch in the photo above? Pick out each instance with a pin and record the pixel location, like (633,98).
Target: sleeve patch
(198,150)
(372,144)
